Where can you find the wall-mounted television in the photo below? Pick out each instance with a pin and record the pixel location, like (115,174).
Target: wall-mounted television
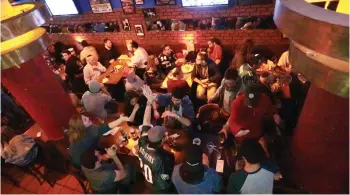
(62,7)
(204,3)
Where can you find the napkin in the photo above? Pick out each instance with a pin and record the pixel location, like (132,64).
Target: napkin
(112,132)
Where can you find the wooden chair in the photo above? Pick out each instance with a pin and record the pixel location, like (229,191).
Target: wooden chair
(209,118)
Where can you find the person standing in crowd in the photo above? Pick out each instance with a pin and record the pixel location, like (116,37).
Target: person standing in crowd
(74,71)
(83,135)
(252,105)
(156,163)
(215,50)
(179,111)
(134,106)
(96,99)
(242,54)
(152,75)
(93,69)
(133,82)
(88,50)
(108,54)
(177,79)
(230,87)
(194,176)
(139,59)
(206,73)
(257,175)
(166,60)
(104,177)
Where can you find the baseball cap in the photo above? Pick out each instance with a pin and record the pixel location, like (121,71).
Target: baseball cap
(193,158)
(95,86)
(155,134)
(252,95)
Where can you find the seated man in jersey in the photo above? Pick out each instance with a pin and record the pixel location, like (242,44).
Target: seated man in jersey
(103,177)
(249,112)
(179,111)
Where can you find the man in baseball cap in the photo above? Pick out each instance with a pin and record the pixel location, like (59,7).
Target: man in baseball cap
(96,99)
(156,162)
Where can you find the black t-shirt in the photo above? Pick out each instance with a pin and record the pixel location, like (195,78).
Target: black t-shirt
(72,68)
(106,55)
(157,165)
(166,63)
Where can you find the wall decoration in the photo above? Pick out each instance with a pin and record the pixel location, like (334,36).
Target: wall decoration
(128,6)
(126,25)
(101,6)
(139,2)
(165,2)
(149,12)
(84,28)
(214,23)
(139,30)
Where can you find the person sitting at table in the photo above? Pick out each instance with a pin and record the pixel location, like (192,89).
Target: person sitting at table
(257,175)
(83,134)
(96,99)
(215,50)
(134,106)
(152,76)
(139,59)
(133,82)
(230,87)
(157,163)
(265,82)
(20,150)
(166,60)
(179,111)
(177,79)
(206,73)
(194,176)
(108,54)
(242,54)
(87,51)
(75,75)
(103,177)
(256,107)
(93,69)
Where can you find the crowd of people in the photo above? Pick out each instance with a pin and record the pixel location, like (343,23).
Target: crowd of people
(250,96)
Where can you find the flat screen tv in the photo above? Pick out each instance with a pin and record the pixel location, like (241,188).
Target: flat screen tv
(62,7)
(204,3)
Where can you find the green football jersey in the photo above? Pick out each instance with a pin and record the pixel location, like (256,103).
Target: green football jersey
(157,165)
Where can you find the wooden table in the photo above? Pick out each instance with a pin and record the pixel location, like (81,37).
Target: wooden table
(181,142)
(112,74)
(186,69)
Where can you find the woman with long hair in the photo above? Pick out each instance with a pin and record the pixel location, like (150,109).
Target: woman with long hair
(242,54)
(152,75)
(83,135)
(134,106)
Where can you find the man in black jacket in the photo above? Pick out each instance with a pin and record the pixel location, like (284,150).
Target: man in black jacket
(206,73)
(108,54)
(74,71)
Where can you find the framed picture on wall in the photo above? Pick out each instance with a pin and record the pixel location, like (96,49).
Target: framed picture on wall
(139,2)
(128,6)
(101,6)
(126,25)
(165,2)
(149,12)
(139,30)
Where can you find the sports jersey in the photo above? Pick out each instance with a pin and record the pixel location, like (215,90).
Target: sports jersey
(157,166)
(166,63)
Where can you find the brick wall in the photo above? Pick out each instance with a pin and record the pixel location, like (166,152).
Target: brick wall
(229,38)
